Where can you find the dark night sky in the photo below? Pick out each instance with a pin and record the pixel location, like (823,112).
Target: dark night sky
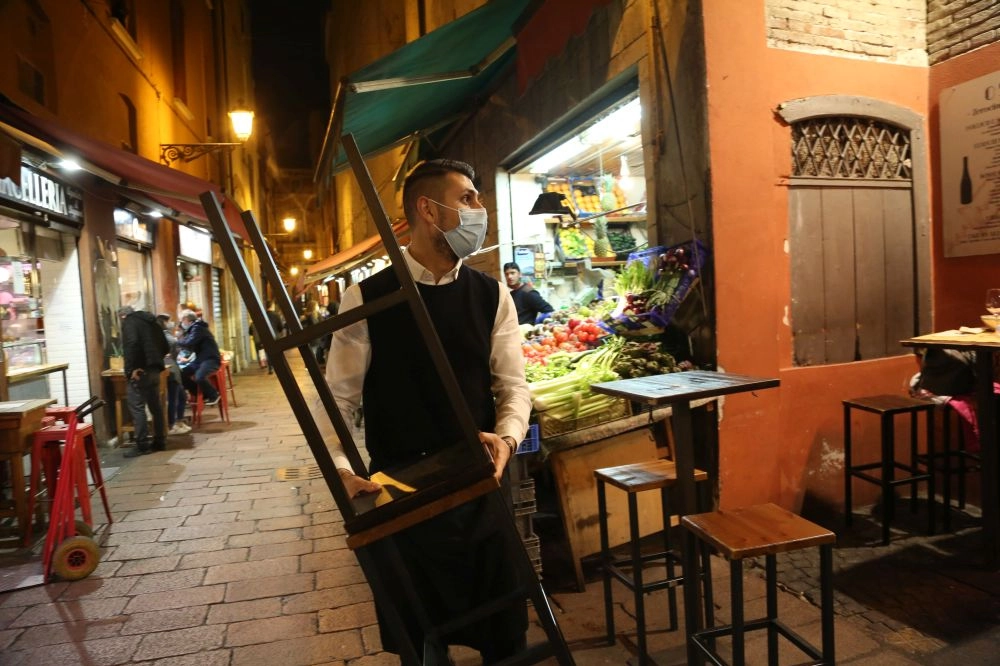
(290,72)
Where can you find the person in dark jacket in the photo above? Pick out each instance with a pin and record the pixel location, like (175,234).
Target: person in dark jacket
(198,344)
(529,303)
(144,348)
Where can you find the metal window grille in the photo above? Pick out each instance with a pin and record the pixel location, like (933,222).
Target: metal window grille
(850,147)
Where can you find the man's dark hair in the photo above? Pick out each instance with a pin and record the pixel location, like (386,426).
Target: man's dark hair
(511,264)
(425,180)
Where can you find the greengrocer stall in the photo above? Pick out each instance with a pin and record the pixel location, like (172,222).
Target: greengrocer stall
(618,336)
(581,234)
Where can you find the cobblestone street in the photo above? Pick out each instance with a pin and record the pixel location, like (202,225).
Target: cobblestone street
(214,560)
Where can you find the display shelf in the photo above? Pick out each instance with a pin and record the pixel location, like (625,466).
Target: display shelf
(589,221)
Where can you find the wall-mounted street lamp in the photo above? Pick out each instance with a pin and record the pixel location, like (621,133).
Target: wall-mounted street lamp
(294,270)
(242,123)
(307,254)
(289,224)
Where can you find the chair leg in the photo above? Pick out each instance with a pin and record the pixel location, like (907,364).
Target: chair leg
(771,568)
(639,594)
(826,602)
(888,475)
(94,464)
(914,423)
(671,572)
(602,513)
(947,455)
(931,484)
(736,596)
(848,473)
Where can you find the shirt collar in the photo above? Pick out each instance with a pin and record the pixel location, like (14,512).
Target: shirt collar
(424,276)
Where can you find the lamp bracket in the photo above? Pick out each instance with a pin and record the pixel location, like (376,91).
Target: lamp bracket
(188,152)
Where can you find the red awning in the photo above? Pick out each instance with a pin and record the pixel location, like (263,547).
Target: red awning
(547,32)
(352,255)
(174,189)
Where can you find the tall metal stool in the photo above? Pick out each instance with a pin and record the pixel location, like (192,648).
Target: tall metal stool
(887,407)
(763,529)
(633,479)
(951,461)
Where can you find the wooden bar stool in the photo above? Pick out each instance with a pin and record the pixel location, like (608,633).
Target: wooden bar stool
(763,529)
(633,479)
(887,407)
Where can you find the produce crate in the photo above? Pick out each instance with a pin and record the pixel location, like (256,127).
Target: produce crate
(551,426)
(533,545)
(654,322)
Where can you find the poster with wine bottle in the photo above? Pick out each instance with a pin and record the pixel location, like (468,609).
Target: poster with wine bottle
(970,167)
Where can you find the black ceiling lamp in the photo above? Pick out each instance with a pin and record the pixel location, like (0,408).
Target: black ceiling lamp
(552,203)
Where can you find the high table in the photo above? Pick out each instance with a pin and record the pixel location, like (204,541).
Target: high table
(985,345)
(27,373)
(118,393)
(19,419)
(678,390)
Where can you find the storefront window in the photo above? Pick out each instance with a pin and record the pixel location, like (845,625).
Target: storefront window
(134,280)
(32,264)
(599,173)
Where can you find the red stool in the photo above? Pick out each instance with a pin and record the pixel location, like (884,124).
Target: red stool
(229,380)
(217,379)
(46,456)
(59,414)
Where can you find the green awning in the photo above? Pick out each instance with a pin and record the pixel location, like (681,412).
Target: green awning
(424,85)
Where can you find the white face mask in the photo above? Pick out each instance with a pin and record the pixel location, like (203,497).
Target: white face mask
(468,236)
(185,325)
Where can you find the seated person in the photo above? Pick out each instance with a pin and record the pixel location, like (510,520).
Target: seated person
(198,357)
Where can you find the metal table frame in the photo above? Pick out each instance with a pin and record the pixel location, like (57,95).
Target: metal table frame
(678,390)
(986,345)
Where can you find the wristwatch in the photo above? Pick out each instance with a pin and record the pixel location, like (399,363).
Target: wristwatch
(511,443)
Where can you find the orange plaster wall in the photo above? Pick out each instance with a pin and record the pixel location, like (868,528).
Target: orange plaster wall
(783,444)
(960,283)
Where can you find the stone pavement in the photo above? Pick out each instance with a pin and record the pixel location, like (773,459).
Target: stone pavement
(213,560)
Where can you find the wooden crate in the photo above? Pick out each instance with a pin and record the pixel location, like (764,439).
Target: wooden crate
(552,426)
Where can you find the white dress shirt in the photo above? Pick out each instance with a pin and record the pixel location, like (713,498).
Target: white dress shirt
(350,356)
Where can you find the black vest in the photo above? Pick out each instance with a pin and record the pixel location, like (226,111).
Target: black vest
(407,413)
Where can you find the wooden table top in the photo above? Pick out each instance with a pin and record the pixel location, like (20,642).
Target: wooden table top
(15,375)
(679,386)
(989,340)
(19,407)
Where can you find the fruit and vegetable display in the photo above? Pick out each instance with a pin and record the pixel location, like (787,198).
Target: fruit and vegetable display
(575,243)
(593,342)
(652,286)
(621,241)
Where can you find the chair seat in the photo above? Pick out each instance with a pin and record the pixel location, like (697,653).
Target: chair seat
(637,477)
(889,404)
(763,529)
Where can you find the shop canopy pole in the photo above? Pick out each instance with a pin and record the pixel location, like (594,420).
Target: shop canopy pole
(442,481)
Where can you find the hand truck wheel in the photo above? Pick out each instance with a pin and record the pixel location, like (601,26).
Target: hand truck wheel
(76,558)
(83,529)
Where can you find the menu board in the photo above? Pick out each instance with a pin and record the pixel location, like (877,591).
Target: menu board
(970,166)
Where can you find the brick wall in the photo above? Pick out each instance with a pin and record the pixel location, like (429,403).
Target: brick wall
(65,338)
(884,30)
(958,26)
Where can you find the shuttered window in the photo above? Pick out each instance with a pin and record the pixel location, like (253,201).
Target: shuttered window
(852,240)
